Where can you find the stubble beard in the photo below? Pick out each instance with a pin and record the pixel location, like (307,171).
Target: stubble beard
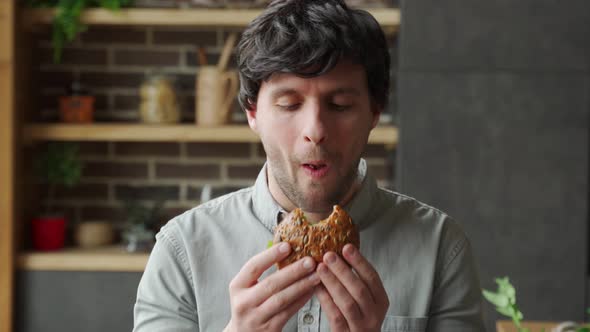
(315,198)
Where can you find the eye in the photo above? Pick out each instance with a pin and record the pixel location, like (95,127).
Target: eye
(340,107)
(288,107)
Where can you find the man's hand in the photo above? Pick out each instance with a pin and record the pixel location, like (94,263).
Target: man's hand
(267,305)
(352,300)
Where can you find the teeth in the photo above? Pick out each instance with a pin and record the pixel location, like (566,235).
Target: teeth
(314,167)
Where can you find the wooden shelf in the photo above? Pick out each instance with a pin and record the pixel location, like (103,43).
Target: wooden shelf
(387,17)
(139,132)
(113,258)
(387,135)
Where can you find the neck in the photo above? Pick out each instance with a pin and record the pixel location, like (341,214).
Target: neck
(314,217)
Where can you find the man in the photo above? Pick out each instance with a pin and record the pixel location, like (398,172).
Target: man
(314,79)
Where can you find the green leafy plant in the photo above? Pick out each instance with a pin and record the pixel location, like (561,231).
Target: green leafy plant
(59,164)
(66,23)
(147,215)
(505,301)
(143,222)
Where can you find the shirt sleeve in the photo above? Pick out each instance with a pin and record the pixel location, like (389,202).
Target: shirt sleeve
(165,296)
(457,301)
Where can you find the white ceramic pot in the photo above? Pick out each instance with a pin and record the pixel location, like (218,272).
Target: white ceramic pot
(97,233)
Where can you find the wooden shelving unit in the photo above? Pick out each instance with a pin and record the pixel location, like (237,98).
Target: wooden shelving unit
(14,100)
(388,17)
(116,258)
(113,258)
(386,135)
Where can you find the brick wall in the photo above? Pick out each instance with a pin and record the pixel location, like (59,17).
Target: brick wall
(177,172)
(112,62)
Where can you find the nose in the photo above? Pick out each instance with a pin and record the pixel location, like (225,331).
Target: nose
(314,127)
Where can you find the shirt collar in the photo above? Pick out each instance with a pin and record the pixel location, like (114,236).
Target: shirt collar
(265,207)
(268,210)
(361,205)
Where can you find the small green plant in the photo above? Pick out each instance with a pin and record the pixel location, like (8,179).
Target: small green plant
(147,215)
(143,222)
(505,301)
(66,23)
(59,164)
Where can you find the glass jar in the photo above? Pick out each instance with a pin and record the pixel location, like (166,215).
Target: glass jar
(159,103)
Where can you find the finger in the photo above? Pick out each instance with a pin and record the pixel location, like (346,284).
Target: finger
(255,266)
(353,284)
(367,273)
(284,299)
(337,321)
(282,317)
(279,280)
(341,297)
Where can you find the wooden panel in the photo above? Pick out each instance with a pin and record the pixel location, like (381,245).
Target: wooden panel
(113,258)
(183,17)
(508,326)
(6,165)
(172,133)
(6,196)
(5,31)
(7,146)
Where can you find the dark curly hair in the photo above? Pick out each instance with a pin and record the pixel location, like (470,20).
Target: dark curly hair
(308,38)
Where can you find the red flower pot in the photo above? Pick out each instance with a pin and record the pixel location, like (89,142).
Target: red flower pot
(76,109)
(49,233)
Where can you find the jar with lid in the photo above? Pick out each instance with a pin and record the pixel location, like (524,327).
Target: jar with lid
(159,103)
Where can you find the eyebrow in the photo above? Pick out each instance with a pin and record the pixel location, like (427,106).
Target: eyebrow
(339,91)
(346,91)
(281,92)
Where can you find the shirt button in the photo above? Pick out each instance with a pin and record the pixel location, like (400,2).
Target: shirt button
(308,318)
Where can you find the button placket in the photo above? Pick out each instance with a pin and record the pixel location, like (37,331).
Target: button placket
(308,317)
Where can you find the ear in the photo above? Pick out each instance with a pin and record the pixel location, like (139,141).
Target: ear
(251,115)
(376,112)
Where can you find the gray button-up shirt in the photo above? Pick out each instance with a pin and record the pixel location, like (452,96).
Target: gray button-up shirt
(421,254)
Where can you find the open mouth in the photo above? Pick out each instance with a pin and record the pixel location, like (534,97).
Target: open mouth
(314,167)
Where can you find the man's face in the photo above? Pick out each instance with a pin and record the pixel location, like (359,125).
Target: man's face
(314,131)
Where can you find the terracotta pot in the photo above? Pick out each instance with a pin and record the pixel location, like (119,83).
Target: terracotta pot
(49,233)
(76,109)
(90,234)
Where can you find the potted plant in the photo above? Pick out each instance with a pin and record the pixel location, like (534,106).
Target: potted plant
(66,22)
(504,299)
(143,222)
(58,165)
(77,106)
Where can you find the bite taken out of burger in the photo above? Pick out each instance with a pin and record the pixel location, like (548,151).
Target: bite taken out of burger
(316,239)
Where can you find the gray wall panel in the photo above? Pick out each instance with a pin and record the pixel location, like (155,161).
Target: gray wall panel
(494,116)
(75,301)
(512,169)
(532,34)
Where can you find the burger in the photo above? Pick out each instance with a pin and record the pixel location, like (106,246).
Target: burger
(315,239)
